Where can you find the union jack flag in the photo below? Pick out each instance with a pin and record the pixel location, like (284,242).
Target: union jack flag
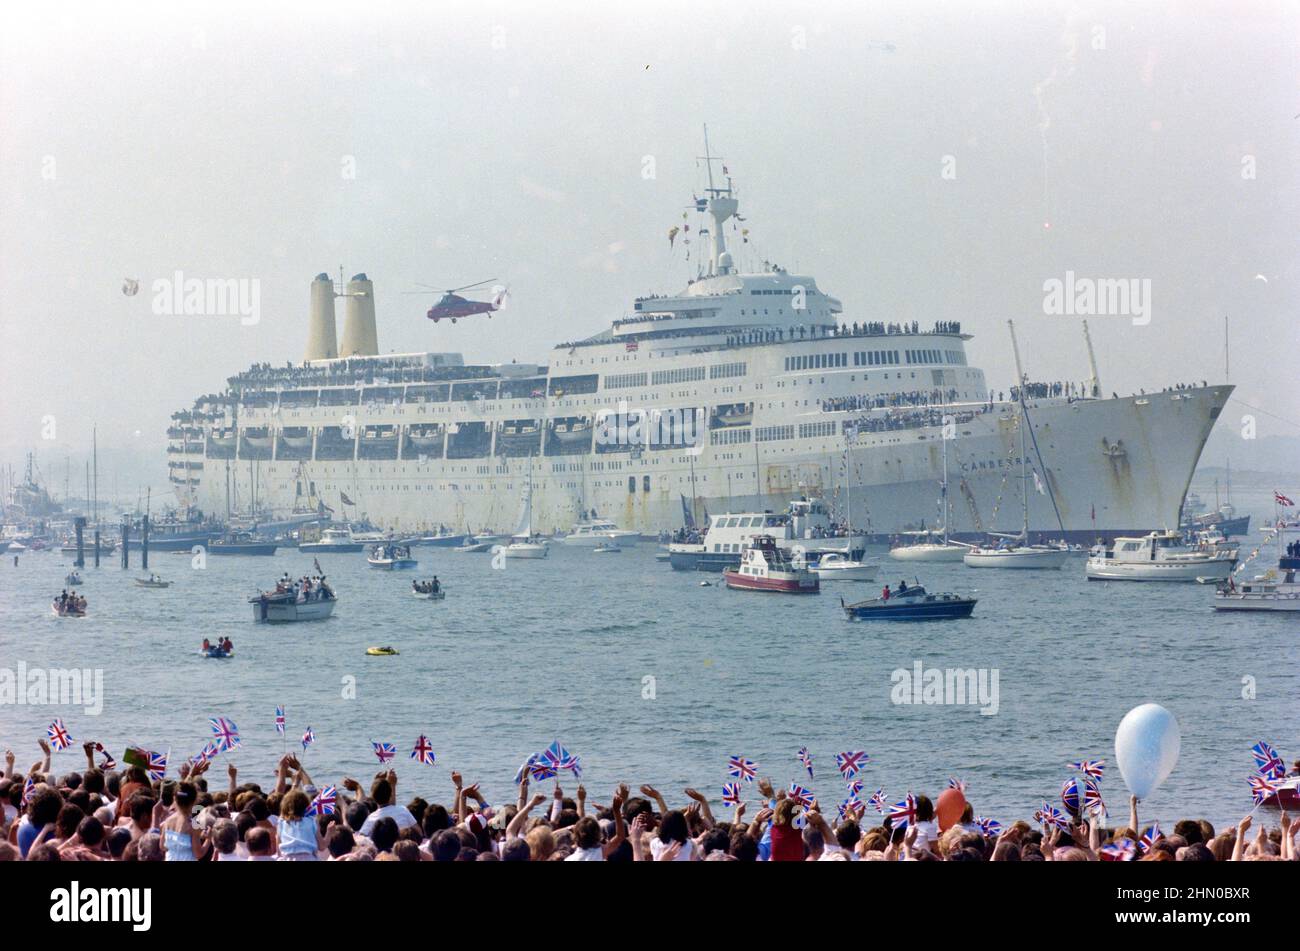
(1268,762)
(1050,815)
(851,763)
(209,751)
(226,732)
(29,789)
(541,770)
(740,768)
(957,784)
(385,751)
(1151,837)
(324,803)
(1261,789)
(279,720)
(1281,499)
(157,767)
(1121,850)
(525,769)
(989,827)
(556,757)
(903,813)
(731,794)
(308,738)
(851,808)
(1092,800)
(800,795)
(423,751)
(806,758)
(1070,796)
(1089,767)
(855,787)
(59,736)
(877,799)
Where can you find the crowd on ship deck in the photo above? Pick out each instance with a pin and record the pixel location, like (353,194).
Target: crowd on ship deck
(99,814)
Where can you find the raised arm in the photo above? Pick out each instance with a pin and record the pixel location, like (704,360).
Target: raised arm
(521,817)
(705,812)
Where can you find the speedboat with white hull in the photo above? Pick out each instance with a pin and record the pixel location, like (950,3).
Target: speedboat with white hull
(597,532)
(1158,556)
(834,566)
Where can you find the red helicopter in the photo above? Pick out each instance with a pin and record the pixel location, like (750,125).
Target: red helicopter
(452,306)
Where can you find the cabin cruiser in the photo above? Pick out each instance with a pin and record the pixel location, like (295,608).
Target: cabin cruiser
(1278,589)
(806,524)
(294,601)
(834,566)
(1158,556)
(910,603)
(766,566)
(597,532)
(389,557)
(335,540)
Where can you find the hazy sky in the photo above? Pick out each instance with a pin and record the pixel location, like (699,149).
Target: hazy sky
(1154,141)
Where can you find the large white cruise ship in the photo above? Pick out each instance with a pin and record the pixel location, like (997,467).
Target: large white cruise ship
(737,393)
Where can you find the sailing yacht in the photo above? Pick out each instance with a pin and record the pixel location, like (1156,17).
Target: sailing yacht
(1014,551)
(524,543)
(933,545)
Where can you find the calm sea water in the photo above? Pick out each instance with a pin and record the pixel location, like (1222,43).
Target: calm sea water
(562,648)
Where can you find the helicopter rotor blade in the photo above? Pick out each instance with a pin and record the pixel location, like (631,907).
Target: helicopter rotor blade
(465,287)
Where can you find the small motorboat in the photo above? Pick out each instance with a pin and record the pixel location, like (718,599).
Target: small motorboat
(428,590)
(381,651)
(216,653)
(292,605)
(472,546)
(391,557)
(911,604)
(610,547)
(73,607)
(153,581)
(72,578)
(834,566)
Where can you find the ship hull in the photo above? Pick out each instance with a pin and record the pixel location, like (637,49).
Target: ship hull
(1112,467)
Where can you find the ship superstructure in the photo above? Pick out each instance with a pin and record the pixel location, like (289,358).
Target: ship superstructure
(737,393)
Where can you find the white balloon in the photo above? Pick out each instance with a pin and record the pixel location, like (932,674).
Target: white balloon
(1146,747)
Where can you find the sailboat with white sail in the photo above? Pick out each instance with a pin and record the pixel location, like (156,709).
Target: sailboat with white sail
(934,545)
(525,543)
(1014,551)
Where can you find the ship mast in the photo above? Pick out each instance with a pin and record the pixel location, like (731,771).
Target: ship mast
(721,205)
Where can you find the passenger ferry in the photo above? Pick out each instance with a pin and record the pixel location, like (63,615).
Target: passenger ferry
(748,385)
(766,566)
(1158,556)
(806,526)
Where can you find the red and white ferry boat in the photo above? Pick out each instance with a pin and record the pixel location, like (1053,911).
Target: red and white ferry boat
(766,566)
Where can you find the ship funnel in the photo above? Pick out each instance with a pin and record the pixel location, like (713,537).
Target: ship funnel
(321,341)
(360,339)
